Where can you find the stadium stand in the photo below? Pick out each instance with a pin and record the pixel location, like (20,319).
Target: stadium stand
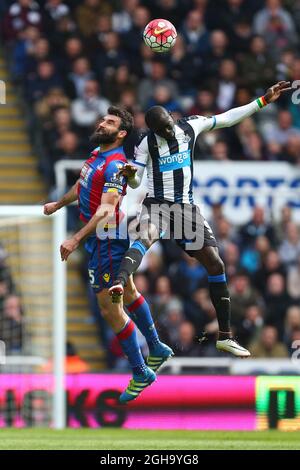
(69,59)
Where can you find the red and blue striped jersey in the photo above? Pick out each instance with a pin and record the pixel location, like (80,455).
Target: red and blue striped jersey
(99,175)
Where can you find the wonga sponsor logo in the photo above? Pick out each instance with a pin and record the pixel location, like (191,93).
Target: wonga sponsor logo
(174,162)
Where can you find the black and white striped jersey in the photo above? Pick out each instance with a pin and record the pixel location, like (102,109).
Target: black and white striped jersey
(169,163)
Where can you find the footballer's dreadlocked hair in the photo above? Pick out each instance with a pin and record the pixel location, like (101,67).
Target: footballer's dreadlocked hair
(125,116)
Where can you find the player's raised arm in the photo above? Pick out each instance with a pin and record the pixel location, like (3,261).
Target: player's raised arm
(134,172)
(235,115)
(67,199)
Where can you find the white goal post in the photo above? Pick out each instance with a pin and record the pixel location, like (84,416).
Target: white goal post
(31,241)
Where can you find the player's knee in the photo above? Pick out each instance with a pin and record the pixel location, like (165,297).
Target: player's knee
(130,294)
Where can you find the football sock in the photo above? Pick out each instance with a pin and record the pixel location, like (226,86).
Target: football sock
(140,313)
(130,346)
(131,261)
(220,298)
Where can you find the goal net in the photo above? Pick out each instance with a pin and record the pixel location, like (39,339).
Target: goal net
(32,317)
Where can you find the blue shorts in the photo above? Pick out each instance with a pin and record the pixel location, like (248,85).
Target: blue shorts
(105,259)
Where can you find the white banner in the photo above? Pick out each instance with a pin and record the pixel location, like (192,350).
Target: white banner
(239,186)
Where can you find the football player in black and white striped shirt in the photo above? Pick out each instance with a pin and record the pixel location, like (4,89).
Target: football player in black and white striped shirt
(166,152)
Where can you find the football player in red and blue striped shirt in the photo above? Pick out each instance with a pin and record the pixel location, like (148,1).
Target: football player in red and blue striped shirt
(99,191)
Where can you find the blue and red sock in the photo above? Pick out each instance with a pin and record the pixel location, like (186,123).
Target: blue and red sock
(130,346)
(140,313)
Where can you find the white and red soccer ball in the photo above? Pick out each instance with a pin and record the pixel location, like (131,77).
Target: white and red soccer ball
(160,35)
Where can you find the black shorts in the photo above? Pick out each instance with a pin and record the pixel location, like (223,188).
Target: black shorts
(180,222)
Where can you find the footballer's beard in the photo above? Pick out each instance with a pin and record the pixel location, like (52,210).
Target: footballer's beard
(99,138)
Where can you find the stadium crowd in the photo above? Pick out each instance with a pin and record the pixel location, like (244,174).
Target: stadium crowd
(71,59)
(11,314)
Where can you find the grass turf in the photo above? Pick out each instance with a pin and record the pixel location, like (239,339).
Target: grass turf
(122,439)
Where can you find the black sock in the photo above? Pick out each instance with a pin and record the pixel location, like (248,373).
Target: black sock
(130,262)
(220,298)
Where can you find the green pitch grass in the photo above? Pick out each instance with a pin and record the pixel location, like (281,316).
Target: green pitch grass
(113,439)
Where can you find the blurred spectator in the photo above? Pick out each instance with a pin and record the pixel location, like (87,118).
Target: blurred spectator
(186,346)
(292,324)
(227,85)
(20,15)
(11,328)
(268,345)
(293,150)
(276,25)
(119,82)
(293,280)
(54,11)
(185,68)
(195,34)
(255,228)
(68,147)
(158,76)
(258,67)
(249,328)
(174,10)
(200,311)
(218,51)
(187,275)
(87,14)
(86,110)
(73,49)
(271,264)
(242,296)
(220,151)
(46,106)
(281,225)
(81,73)
(253,256)
(39,51)
(169,322)
(122,19)
(24,50)
(204,104)
(224,233)
(162,97)
(289,250)
(277,301)
(110,57)
(132,38)
(284,129)
(46,78)
(232,260)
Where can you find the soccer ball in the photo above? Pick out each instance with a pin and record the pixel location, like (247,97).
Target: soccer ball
(160,35)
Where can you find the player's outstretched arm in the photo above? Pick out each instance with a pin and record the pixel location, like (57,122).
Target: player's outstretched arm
(104,212)
(236,115)
(67,199)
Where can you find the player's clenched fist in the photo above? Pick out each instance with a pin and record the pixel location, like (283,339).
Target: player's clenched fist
(128,171)
(50,208)
(67,248)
